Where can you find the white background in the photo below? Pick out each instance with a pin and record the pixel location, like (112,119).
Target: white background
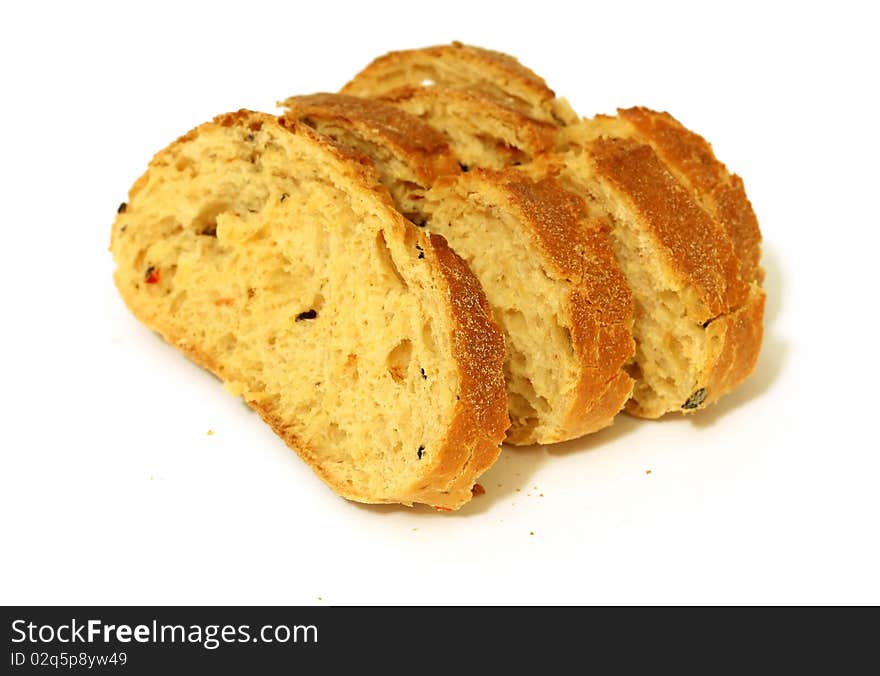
(111,491)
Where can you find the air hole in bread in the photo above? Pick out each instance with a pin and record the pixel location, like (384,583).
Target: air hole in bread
(522,411)
(205,222)
(511,154)
(387,261)
(633,370)
(526,405)
(428,340)
(399,359)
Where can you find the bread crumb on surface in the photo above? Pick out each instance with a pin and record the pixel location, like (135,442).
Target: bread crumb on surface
(210,433)
(478,490)
(647,471)
(531,532)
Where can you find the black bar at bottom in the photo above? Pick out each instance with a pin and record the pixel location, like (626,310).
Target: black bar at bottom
(259,640)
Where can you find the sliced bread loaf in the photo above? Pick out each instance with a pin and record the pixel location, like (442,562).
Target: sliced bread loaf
(684,230)
(547,268)
(493,74)
(275,259)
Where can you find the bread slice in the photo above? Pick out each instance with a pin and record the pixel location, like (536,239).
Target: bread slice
(553,283)
(409,155)
(480,131)
(548,271)
(699,316)
(458,66)
(275,259)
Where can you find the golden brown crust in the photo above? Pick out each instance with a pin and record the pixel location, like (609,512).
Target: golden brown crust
(739,335)
(533,136)
(732,207)
(481,420)
(698,248)
(459,65)
(422,147)
(691,159)
(600,303)
(495,64)
(601,409)
(502,65)
(480,417)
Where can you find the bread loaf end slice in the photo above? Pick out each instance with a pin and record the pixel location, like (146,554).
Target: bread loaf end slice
(274,259)
(460,66)
(698,319)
